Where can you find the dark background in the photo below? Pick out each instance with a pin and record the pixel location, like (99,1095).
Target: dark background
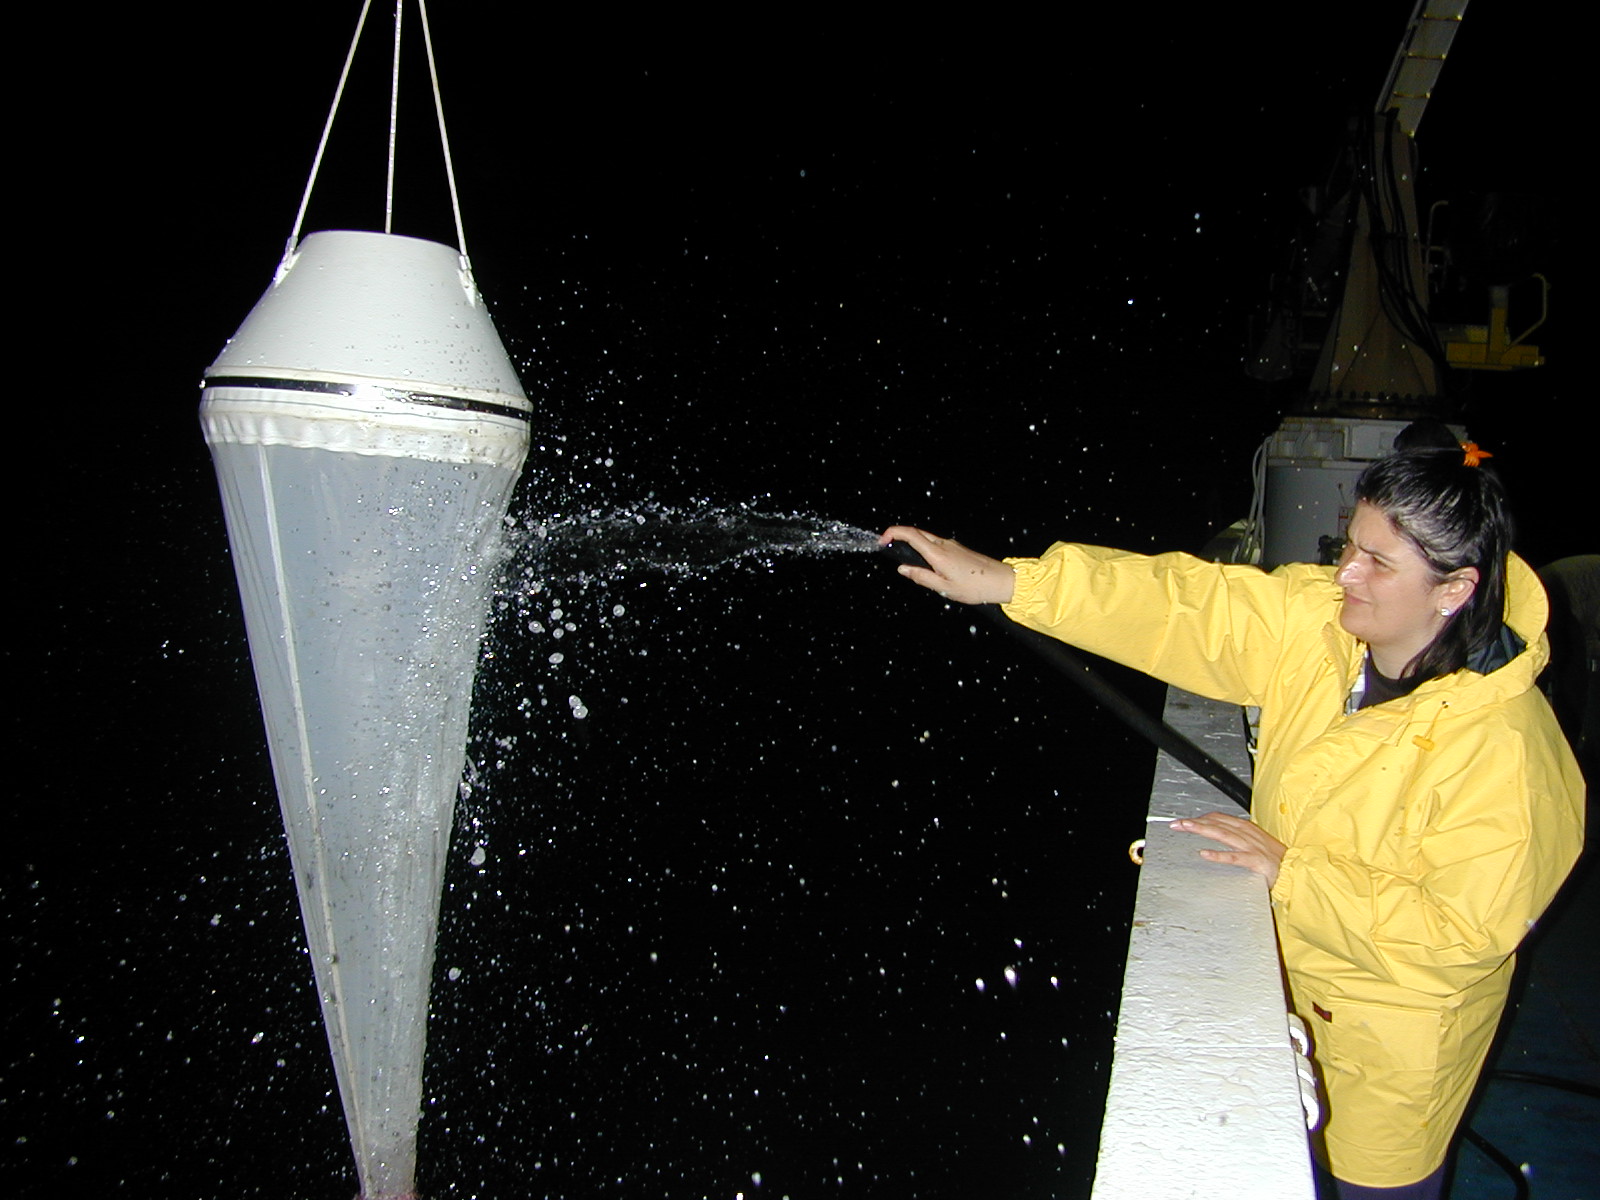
(989,276)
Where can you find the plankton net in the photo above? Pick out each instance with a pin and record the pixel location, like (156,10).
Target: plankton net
(367,428)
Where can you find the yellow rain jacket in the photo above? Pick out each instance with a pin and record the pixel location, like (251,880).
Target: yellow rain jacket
(1425,834)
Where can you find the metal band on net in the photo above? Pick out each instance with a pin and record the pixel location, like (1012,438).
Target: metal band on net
(400,395)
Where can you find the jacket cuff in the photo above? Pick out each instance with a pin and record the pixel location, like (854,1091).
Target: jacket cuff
(1283,888)
(1030,574)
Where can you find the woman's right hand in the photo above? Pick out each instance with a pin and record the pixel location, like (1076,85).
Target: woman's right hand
(953,571)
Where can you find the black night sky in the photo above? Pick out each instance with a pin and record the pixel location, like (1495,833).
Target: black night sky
(993,276)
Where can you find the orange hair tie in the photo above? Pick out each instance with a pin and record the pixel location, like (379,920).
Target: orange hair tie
(1474,453)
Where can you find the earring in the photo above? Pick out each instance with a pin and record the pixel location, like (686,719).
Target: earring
(1444,612)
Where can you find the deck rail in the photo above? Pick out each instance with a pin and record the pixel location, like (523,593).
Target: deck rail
(1205,1094)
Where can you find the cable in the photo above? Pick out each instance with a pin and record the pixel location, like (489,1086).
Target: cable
(1390,235)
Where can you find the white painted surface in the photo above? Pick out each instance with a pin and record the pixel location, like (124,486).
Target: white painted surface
(379,309)
(1204,1099)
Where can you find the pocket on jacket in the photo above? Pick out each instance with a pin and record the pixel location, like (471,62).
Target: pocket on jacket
(1394,1050)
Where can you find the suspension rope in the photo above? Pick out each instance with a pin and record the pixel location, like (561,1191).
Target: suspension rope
(444,138)
(322,146)
(394,118)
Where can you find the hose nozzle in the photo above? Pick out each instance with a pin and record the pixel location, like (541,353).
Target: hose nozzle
(903,554)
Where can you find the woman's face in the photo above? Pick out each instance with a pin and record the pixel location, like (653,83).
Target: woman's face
(1391,600)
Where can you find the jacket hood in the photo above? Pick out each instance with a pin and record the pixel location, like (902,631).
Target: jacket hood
(1527,606)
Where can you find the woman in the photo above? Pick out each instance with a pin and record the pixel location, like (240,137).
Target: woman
(1415,805)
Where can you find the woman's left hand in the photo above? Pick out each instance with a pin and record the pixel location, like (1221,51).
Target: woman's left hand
(1249,846)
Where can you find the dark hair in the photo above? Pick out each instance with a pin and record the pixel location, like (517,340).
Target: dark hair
(1456,516)
(1426,434)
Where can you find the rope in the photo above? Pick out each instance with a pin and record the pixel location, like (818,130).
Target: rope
(394,114)
(322,146)
(394,118)
(444,139)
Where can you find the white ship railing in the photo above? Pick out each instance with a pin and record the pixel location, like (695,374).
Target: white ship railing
(1205,1096)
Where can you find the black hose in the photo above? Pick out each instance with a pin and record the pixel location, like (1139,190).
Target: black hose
(1575,1086)
(1519,1181)
(1072,664)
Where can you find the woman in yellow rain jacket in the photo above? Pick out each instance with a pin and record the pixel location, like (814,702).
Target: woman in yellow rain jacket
(1415,804)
